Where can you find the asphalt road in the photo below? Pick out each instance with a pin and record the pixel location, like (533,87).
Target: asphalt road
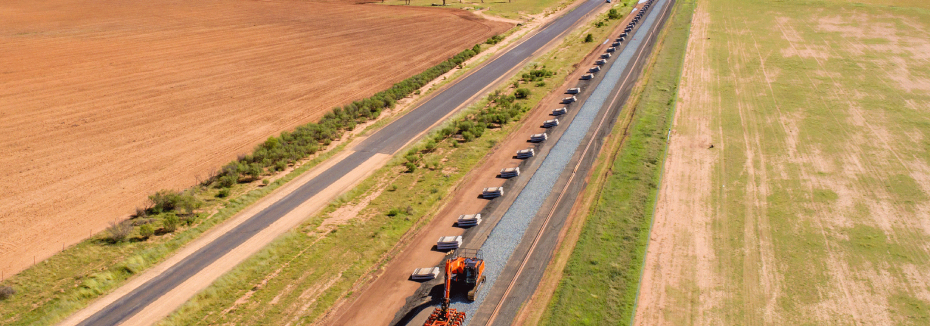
(388,140)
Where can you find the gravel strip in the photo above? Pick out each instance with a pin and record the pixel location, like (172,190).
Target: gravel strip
(509,231)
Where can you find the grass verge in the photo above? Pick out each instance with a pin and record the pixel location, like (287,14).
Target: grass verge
(601,277)
(299,276)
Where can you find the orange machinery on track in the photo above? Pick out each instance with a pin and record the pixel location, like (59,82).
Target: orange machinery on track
(467,268)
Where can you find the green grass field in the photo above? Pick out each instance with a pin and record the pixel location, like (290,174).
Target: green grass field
(600,280)
(817,208)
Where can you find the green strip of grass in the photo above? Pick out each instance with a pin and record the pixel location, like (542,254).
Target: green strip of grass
(601,278)
(300,275)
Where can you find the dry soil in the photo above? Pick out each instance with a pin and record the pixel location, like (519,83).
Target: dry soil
(104,102)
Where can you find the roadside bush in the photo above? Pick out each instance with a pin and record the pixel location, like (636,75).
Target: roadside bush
(164,201)
(223,193)
(430,146)
(411,167)
(169,201)
(189,203)
(190,219)
(541,84)
(394,212)
(227,181)
(589,38)
(522,93)
(613,14)
(280,165)
(146,231)
(6,292)
(537,74)
(494,39)
(118,232)
(255,171)
(170,222)
(468,136)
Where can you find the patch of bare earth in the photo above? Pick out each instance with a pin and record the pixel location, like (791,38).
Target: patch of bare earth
(104,102)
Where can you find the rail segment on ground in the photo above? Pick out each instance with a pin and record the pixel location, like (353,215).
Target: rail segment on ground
(543,188)
(130,304)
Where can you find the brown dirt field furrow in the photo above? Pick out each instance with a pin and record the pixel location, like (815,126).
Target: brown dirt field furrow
(104,102)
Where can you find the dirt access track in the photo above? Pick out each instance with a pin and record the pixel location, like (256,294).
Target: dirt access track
(104,102)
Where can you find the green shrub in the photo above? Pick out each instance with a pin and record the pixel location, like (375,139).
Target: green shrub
(394,212)
(411,167)
(227,181)
(537,74)
(589,38)
(190,219)
(541,84)
(468,136)
(255,171)
(146,231)
(613,14)
(522,93)
(169,201)
(223,193)
(170,222)
(430,146)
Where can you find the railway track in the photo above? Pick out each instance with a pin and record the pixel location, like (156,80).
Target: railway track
(657,21)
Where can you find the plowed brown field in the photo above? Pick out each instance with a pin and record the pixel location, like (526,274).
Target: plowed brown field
(102,102)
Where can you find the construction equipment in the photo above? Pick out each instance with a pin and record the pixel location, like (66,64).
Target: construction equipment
(466,268)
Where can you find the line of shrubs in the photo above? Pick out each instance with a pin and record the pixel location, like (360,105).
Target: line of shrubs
(501,110)
(168,208)
(171,209)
